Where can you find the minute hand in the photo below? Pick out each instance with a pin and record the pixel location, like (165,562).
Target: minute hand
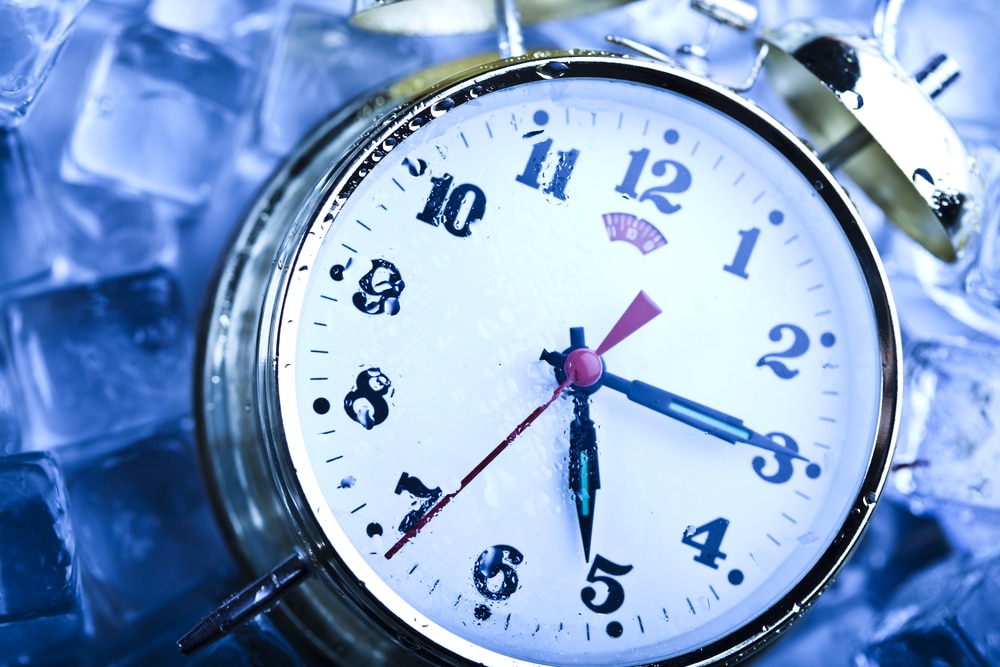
(722,426)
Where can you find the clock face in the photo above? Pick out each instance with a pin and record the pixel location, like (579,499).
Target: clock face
(698,484)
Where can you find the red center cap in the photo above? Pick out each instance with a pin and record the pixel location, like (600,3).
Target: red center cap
(583,367)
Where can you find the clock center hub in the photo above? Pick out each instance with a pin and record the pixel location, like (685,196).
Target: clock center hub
(583,367)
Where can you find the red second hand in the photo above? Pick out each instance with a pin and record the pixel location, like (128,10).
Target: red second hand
(640,311)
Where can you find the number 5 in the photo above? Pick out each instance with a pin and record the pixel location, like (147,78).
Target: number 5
(616,594)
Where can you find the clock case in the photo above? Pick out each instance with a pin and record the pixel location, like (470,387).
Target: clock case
(250,476)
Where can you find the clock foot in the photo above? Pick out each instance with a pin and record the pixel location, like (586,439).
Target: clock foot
(255,599)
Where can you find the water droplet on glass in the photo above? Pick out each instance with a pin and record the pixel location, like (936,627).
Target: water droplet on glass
(106,104)
(475,92)
(416,123)
(922,174)
(552,70)
(851,99)
(869,499)
(442,106)
(818,185)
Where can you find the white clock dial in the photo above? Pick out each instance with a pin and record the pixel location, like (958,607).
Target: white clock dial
(713,468)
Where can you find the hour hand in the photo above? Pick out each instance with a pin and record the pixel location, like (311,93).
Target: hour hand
(584,477)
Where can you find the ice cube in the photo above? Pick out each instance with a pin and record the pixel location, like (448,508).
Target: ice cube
(10,425)
(321,62)
(110,231)
(31,34)
(24,252)
(39,589)
(948,454)
(145,532)
(99,358)
(949,443)
(225,22)
(945,616)
(163,115)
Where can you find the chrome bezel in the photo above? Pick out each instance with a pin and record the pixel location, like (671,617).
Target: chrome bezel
(243,425)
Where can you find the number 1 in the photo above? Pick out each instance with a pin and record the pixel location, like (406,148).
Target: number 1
(748,239)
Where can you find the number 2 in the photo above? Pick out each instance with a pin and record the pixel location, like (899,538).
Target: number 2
(799,346)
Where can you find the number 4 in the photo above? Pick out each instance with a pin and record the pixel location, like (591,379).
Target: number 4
(710,549)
